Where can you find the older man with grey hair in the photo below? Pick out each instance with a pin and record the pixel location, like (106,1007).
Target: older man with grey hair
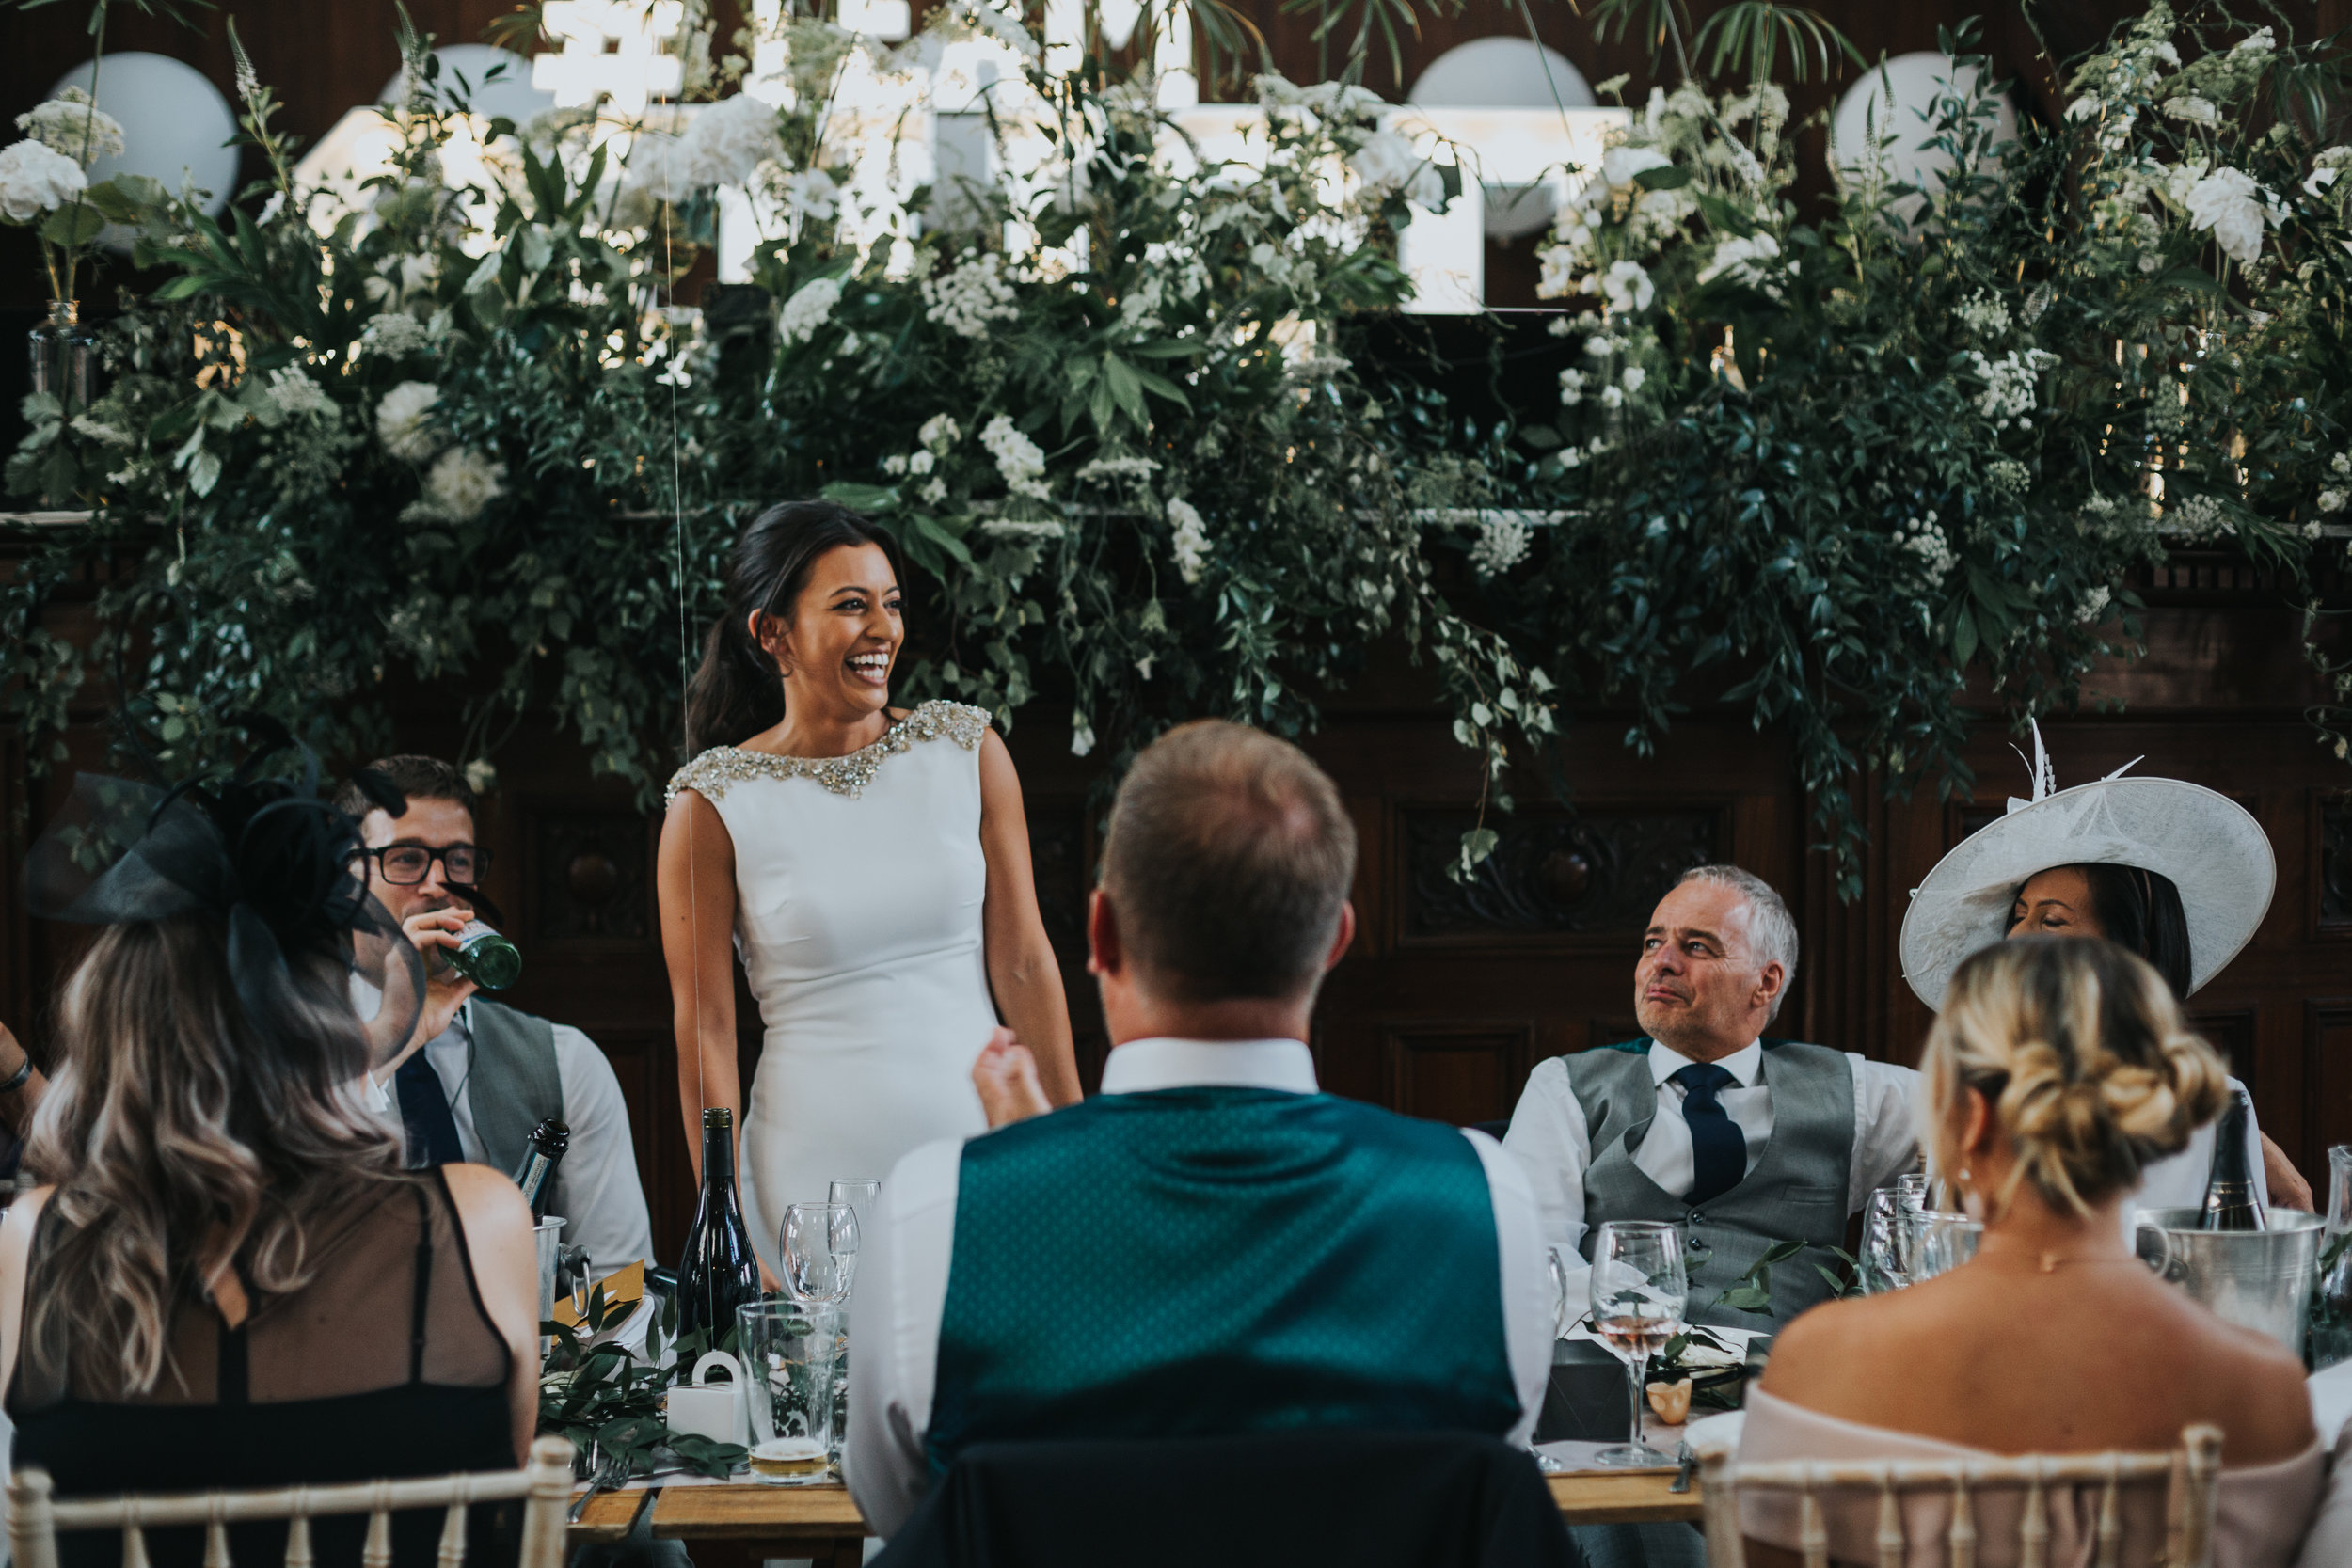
(1704,1122)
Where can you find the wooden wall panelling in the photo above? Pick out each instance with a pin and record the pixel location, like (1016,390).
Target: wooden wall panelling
(2327,1119)
(1462,1072)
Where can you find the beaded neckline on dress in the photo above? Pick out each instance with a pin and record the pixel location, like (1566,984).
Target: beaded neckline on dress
(713,772)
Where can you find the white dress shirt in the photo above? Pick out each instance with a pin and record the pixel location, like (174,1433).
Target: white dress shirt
(597,1189)
(902,1271)
(1549,1135)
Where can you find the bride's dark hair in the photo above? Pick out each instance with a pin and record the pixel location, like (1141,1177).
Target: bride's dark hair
(737,692)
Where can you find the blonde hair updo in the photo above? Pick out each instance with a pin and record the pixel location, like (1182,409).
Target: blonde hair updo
(2082,1052)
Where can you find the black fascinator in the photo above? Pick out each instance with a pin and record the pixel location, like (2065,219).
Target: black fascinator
(267,856)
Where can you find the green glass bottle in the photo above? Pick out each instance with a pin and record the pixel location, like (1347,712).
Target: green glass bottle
(485,956)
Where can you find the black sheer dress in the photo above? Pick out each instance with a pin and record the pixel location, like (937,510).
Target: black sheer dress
(385,1365)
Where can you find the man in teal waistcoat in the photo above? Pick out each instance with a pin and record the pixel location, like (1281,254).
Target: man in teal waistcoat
(1741,1139)
(1211,1246)
(482,1074)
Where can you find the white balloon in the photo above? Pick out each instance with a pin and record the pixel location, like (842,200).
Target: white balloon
(511,95)
(176,127)
(1504,72)
(1887,118)
(1500,72)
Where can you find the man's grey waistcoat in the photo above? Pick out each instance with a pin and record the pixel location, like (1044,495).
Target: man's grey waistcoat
(1795,1191)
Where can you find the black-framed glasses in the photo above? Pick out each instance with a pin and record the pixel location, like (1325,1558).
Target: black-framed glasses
(406,864)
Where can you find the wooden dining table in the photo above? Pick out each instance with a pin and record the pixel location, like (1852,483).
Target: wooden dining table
(822,1524)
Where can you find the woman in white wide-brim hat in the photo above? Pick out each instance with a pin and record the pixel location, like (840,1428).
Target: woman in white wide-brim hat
(2170,870)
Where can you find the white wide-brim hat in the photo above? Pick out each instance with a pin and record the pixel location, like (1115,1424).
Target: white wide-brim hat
(2209,845)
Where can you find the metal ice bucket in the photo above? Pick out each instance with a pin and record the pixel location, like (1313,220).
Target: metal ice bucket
(2257,1279)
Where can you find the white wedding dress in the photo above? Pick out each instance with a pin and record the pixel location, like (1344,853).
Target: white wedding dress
(859,883)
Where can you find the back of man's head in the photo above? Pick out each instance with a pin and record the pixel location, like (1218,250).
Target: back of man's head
(1227,864)
(420,778)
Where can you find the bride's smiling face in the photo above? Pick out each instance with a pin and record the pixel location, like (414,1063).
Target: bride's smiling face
(837,650)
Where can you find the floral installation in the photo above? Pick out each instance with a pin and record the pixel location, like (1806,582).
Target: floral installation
(1112,402)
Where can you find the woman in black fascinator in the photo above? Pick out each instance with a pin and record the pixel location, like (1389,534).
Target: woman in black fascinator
(227,1277)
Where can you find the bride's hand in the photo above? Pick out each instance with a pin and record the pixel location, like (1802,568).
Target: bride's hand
(1006,1075)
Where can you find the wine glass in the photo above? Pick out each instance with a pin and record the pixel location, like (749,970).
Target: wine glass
(858,1191)
(1639,1292)
(1947,1240)
(1888,1257)
(819,1242)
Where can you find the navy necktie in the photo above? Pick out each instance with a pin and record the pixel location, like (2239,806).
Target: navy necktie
(1719,1152)
(424,1113)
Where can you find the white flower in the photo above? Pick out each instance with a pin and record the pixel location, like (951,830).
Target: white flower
(1105,469)
(1502,542)
(69,124)
(401,421)
(1613,396)
(2341,463)
(1922,537)
(1191,544)
(2196,110)
(725,144)
(1984,314)
(2258,42)
(1619,164)
(1039,529)
(35,178)
(1632,378)
(396,332)
(1081,738)
(295,392)
(919,464)
(896,465)
(2094,605)
(481,776)
(964,301)
(2008,477)
(2332,500)
(2225,202)
(2199,517)
(1572,388)
(939,433)
(2316,184)
(1745,261)
(463,481)
(934,490)
(1020,460)
(2010,391)
(810,308)
(811,193)
(1385,163)
(1626,286)
(2085,107)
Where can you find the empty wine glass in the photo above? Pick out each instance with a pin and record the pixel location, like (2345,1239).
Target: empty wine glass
(819,1242)
(1947,1240)
(1888,1257)
(857,1191)
(1639,1292)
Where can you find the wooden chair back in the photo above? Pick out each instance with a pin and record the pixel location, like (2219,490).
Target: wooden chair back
(2191,1475)
(37,1516)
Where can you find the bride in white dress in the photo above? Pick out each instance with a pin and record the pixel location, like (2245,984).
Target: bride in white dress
(869,864)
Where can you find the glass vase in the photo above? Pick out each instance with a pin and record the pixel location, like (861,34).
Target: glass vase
(2330,1337)
(63,355)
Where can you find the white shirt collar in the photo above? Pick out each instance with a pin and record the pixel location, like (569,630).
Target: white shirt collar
(1139,1067)
(1745,1065)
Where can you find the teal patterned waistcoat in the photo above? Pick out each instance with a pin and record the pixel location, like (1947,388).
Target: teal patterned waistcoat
(1204,1261)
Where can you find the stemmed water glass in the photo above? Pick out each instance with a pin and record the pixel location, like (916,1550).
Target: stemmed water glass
(1639,1292)
(819,1242)
(858,1191)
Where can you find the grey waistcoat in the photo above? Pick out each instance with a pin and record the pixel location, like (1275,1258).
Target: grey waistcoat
(510,1079)
(1795,1191)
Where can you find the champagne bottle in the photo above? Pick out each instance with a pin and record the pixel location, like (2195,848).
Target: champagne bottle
(719,1272)
(543,1150)
(2230,1188)
(485,956)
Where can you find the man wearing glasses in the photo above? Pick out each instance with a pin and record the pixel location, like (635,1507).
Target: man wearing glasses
(486,1074)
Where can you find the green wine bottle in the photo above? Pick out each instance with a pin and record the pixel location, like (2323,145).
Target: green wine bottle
(485,956)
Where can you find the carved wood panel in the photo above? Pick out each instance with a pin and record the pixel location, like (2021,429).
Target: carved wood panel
(2232,1030)
(2334,813)
(1457,1072)
(590,876)
(1554,875)
(2327,1079)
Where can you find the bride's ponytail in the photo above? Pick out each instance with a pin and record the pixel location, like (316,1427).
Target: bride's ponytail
(737,692)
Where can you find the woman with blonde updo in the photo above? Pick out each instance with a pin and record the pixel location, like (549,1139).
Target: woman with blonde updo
(2057,1072)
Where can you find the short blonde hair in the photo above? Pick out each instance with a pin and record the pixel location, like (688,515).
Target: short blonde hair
(2080,1049)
